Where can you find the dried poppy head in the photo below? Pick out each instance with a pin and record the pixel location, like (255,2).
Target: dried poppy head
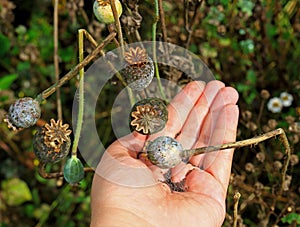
(136,56)
(138,69)
(164,152)
(23,113)
(148,116)
(52,142)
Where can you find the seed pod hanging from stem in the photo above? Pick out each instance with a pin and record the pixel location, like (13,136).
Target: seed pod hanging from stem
(23,113)
(138,70)
(166,152)
(103,11)
(52,143)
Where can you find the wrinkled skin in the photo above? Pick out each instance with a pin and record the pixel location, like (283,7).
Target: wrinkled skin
(127,191)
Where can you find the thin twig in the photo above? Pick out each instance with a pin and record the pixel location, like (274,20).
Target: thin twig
(238,144)
(261,108)
(163,29)
(186,16)
(56,68)
(118,25)
(154,25)
(44,174)
(118,75)
(162,21)
(55,58)
(252,141)
(112,28)
(286,144)
(236,199)
(49,91)
(189,26)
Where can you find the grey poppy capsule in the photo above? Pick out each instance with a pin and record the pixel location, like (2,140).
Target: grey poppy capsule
(164,152)
(23,113)
(138,70)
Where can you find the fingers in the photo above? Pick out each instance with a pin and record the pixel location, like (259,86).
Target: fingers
(194,122)
(219,163)
(226,96)
(180,107)
(216,166)
(202,118)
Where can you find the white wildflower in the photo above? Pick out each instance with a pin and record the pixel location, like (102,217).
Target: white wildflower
(275,105)
(286,99)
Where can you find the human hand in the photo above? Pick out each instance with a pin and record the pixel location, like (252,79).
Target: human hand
(127,191)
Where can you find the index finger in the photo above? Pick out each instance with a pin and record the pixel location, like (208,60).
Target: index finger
(179,109)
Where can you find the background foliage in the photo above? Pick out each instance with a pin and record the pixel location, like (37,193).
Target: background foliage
(251,45)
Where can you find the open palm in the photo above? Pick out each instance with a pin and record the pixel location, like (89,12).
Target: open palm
(128,191)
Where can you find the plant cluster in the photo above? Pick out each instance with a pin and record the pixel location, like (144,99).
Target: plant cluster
(250,45)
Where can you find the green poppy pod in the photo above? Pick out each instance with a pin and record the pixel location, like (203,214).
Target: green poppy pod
(103,12)
(73,170)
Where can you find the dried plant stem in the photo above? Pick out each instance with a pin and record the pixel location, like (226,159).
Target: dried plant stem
(253,141)
(55,58)
(112,28)
(261,109)
(56,68)
(286,144)
(90,38)
(118,25)
(162,21)
(156,18)
(236,199)
(95,44)
(163,28)
(190,25)
(44,174)
(49,91)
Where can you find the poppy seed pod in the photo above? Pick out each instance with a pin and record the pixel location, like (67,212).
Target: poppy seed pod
(138,69)
(103,12)
(52,143)
(73,170)
(164,152)
(23,113)
(148,116)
